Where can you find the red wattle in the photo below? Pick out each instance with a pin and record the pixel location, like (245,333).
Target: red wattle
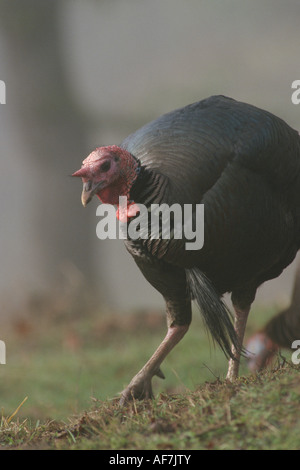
(123,214)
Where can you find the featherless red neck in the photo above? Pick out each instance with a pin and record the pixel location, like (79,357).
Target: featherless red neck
(127,175)
(109,172)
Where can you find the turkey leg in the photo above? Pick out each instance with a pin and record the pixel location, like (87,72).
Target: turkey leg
(240,321)
(140,386)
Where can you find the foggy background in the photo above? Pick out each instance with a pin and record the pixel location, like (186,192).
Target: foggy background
(82,74)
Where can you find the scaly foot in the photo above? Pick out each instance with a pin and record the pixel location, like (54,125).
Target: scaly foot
(140,387)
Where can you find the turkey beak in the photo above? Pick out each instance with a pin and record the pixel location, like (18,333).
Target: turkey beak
(89,187)
(88,191)
(86,195)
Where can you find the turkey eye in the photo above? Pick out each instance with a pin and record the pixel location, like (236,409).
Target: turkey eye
(105,167)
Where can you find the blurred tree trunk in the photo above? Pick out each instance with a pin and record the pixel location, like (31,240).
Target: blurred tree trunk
(52,129)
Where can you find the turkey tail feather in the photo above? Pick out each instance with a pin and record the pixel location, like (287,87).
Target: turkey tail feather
(216,315)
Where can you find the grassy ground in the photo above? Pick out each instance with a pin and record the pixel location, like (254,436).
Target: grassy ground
(70,371)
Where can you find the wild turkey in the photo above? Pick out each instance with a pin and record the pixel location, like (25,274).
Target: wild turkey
(243,164)
(280,332)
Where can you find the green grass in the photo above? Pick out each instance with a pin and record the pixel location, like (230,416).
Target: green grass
(72,370)
(259,412)
(61,366)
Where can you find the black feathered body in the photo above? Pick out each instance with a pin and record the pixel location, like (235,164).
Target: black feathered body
(243,164)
